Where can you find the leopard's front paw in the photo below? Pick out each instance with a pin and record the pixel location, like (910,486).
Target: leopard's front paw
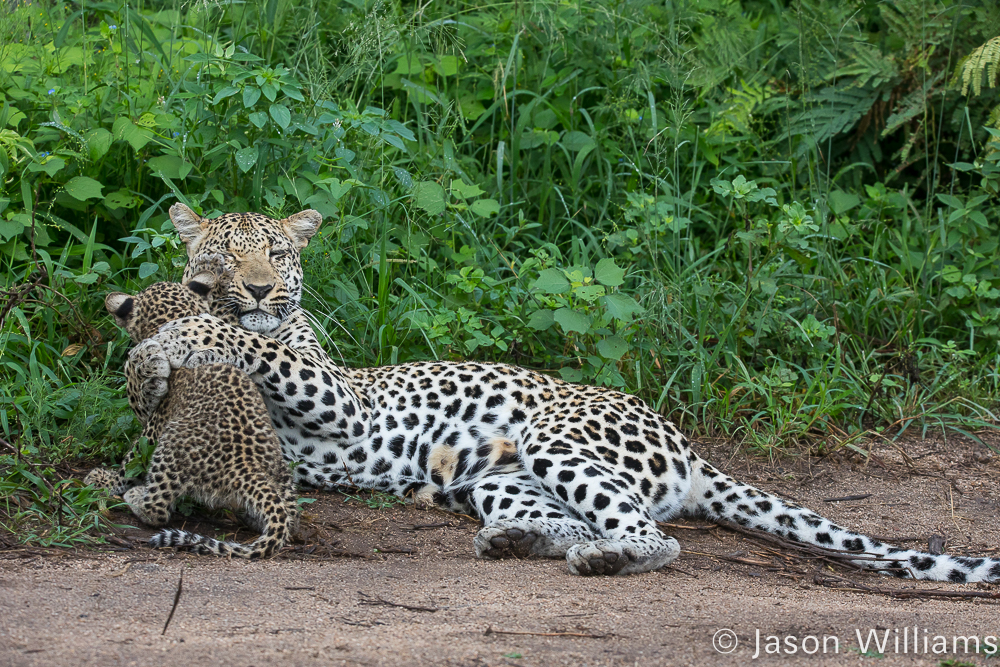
(191,342)
(147,371)
(101,478)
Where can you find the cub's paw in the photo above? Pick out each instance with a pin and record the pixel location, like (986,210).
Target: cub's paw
(134,497)
(147,371)
(596,558)
(196,341)
(101,478)
(500,541)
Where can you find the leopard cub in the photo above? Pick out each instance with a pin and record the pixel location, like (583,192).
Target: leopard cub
(214,437)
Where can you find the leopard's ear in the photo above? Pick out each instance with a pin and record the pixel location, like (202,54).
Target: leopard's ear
(121,306)
(301,226)
(189,225)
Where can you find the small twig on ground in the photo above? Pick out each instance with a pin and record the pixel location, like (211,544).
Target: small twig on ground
(407,551)
(844,584)
(428,526)
(491,631)
(708,526)
(177,598)
(379,601)
(846,498)
(300,588)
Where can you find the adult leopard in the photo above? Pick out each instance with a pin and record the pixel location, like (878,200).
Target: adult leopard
(552,468)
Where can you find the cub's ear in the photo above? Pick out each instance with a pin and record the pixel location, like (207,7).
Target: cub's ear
(121,306)
(207,272)
(203,283)
(189,225)
(301,226)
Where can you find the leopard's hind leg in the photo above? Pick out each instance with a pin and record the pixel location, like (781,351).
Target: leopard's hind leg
(615,506)
(151,501)
(522,519)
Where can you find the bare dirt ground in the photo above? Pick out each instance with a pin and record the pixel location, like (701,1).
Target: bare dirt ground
(397,586)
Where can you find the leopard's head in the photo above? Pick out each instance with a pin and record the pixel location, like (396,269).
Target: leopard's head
(262,257)
(142,315)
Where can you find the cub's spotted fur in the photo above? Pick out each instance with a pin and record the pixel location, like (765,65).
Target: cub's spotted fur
(552,469)
(214,438)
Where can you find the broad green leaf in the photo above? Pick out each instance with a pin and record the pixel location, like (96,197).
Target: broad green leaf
(447,65)
(577,141)
(83,188)
(589,292)
(228,91)
(10,228)
(841,202)
(621,307)
(462,191)
(612,347)
(541,320)
(404,177)
(571,374)
(146,269)
(393,140)
(951,201)
(126,130)
(258,118)
(171,166)
(551,281)
(250,96)
(485,207)
(607,273)
(122,199)
(86,279)
(281,115)
(98,143)
(429,196)
(571,320)
(246,158)
(50,166)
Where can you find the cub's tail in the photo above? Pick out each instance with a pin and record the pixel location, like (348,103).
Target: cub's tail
(277,529)
(721,497)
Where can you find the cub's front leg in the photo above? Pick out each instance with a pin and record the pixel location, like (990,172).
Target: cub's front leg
(147,372)
(196,341)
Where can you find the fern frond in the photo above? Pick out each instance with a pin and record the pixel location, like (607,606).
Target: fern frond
(985,59)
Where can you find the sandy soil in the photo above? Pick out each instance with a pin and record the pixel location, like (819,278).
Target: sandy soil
(397,586)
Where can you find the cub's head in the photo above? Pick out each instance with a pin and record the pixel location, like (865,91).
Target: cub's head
(142,315)
(261,254)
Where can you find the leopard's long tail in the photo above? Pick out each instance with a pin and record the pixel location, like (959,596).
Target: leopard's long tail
(279,526)
(721,497)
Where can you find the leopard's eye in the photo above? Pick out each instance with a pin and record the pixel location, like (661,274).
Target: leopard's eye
(278,254)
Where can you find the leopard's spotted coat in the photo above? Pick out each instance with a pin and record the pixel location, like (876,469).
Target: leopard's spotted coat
(552,468)
(214,437)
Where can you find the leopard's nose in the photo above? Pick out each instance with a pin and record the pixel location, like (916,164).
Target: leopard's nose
(259,291)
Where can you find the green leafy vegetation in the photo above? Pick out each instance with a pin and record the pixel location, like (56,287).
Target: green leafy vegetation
(774,221)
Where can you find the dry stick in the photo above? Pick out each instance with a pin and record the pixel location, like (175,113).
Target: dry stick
(708,526)
(846,558)
(379,601)
(845,498)
(177,598)
(428,526)
(491,631)
(844,584)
